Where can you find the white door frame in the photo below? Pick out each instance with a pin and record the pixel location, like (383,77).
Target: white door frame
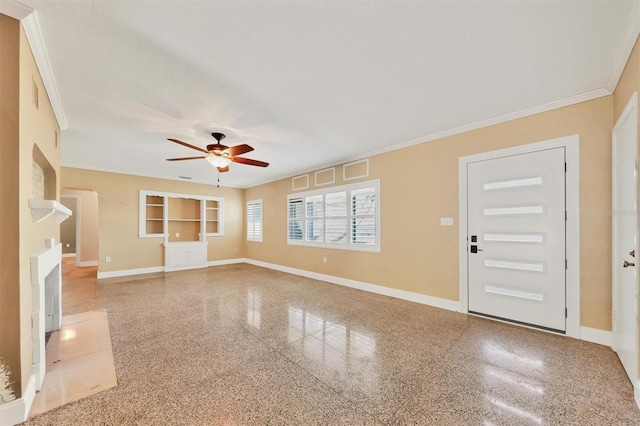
(632,107)
(572,150)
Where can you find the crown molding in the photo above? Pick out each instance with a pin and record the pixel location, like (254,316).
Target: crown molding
(14,9)
(36,41)
(629,37)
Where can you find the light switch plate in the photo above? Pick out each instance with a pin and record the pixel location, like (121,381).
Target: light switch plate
(446,221)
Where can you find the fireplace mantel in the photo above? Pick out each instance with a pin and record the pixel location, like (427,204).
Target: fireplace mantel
(41,209)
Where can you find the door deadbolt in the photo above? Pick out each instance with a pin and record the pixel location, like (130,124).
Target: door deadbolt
(627,264)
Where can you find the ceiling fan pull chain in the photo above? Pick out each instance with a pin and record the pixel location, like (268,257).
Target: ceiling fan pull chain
(218,179)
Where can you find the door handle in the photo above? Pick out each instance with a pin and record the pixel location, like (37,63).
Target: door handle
(627,264)
(632,253)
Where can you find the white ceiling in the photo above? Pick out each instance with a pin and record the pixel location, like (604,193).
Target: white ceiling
(310,83)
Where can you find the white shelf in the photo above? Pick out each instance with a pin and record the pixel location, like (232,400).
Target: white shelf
(183,220)
(41,209)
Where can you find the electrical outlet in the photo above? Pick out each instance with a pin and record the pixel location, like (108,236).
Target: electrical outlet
(107,259)
(68,245)
(177,235)
(324,259)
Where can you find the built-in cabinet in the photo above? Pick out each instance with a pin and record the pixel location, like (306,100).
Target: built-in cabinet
(184,221)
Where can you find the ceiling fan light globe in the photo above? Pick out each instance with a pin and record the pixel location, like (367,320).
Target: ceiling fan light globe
(217,161)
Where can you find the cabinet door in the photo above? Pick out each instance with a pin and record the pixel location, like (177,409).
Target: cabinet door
(198,255)
(176,256)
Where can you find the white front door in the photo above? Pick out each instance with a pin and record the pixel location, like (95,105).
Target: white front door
(625,237)
(516,238)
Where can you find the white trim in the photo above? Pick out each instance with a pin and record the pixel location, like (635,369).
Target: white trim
(572,152)
(87,263)
(437,302)
(344,170)
(636,392)
(298,188)
(572,100)
(69,255)
(127,272)
(155,269)
(623,52)
(594,335)
(36,41)
(15,9)
(226,262)
(333,179)
(17,411)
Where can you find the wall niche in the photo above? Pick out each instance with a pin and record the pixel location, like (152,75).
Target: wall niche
(43,182)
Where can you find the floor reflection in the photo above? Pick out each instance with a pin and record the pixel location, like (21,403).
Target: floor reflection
(333,346)
(253,308)
(496,353)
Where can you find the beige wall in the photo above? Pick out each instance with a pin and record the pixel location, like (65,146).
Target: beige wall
(118,196)
(419,255)
(9,188)
(87,214)
(38,126)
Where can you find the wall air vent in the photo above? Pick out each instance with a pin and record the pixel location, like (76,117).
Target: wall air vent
(34,94)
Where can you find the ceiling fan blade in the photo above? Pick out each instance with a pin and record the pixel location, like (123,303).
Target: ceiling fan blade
(188,145)
(249,161)
(239,149)
(223,169)
(184,158)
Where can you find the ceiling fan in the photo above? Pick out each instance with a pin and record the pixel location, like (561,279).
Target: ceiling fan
(220,156)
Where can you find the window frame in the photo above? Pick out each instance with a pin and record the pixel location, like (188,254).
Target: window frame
(348,244)
(254,238)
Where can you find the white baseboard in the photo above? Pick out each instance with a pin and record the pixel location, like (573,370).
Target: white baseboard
(87,263)
(140,271)
(452,305)
(226,262)
(127,272)
(17,411)
(636,392)
(595,335)
(68,255)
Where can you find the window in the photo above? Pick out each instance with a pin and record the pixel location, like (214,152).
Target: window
(342,217)
(254,220)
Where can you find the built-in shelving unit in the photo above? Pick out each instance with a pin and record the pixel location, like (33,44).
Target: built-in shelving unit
(184,221)
(180,217)
(211,216)
(154,215)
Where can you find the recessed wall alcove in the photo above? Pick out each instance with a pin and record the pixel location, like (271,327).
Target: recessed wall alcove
(43,177)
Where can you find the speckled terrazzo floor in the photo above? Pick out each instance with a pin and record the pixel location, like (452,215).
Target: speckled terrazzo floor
(244,345)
